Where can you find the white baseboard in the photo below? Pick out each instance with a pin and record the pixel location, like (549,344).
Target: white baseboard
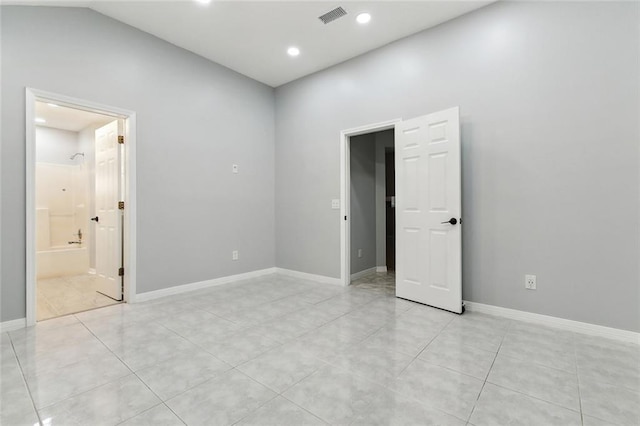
(92,271)
(561,323)
(363,273)
(15,324)
(156,294)
(381,268)
(311,277)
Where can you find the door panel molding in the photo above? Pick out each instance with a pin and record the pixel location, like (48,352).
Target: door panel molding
(429,204)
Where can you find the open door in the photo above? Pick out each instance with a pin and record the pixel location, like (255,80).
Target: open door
(428,210)
(109,216)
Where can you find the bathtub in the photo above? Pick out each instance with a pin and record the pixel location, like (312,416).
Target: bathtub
(61,261)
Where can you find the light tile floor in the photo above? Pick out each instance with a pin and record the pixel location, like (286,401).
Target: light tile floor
(68,295)
(277,350)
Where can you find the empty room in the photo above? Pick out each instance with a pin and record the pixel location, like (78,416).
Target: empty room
(219,212)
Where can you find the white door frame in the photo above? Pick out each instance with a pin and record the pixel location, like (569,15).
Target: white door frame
(345,190)
(129,243)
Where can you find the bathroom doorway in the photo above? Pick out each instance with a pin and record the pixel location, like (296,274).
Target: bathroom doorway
(77,226)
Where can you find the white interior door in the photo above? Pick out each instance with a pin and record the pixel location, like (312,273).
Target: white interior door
(109,217)
(428,210)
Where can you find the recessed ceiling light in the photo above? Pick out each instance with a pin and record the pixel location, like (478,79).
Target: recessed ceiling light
(203,1)
(40,120)
(293,51)
(363,18)
(53,105)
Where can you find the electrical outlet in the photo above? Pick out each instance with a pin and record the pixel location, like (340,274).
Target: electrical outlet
(234,255)
(530,282)
(335,204)
(359,252)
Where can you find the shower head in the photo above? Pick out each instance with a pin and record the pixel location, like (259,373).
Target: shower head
(73,157)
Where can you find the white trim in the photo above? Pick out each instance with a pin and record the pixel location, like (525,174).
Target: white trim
(91,271)
(311,277)
(381,269)
(363,273)
(555,322)
(15,324)
(184,288)
(32,95)
(345,182)
(30,195)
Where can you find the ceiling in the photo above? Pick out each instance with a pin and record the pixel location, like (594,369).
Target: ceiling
(64,118)
(252,37)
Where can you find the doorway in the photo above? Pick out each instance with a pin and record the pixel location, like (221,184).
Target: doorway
(390,208)
(372,198)
(79,233)
(428,208)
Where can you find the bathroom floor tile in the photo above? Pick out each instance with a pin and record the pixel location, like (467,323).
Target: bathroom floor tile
(68,295)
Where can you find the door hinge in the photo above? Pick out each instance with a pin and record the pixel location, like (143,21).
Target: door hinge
(121,139)
(121,272)
(120,205)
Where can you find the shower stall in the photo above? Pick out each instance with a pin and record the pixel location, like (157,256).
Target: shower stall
(62,217)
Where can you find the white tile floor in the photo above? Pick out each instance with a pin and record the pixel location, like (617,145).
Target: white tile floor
(281,351)
(67,295)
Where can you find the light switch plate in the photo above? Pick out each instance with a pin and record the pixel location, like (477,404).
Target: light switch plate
(234,168)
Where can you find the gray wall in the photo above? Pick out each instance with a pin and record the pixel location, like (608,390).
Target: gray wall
(384,140)
(549,101)
(363,202)
(56,146)
(195,119)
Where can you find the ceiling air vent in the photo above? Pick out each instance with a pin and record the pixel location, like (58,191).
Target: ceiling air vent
(332,15)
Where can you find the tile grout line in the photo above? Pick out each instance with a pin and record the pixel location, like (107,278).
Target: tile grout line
(162,401)
(24,379)
(326,363)
(575,358)
(259,406)
(370,331)
(310,412)
(475,403)
(119,378)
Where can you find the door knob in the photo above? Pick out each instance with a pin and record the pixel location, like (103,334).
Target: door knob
(95,219)
(451,221)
